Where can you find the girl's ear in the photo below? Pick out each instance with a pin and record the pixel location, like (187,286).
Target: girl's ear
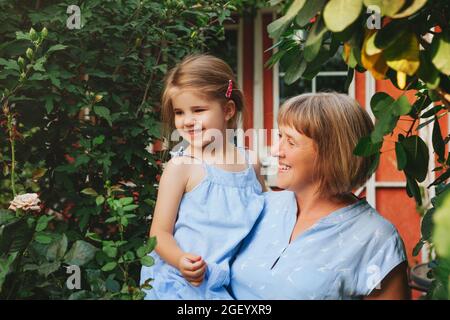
(230,110)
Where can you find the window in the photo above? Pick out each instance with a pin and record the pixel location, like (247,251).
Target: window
(332,77)
(227,49)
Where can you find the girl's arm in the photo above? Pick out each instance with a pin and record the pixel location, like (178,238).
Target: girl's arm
(171,188)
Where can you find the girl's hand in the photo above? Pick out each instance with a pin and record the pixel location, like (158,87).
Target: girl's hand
(193,268)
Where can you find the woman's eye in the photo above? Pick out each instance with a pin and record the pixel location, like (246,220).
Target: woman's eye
(199,110)
(178,113)
(291,143)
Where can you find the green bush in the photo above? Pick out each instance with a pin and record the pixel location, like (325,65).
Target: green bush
(79,111)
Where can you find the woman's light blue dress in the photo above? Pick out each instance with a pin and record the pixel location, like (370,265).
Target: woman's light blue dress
(344,255)
(213,219)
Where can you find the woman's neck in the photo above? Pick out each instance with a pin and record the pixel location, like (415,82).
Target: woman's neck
(312,205)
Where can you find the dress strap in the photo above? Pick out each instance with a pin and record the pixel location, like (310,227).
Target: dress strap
(181,152)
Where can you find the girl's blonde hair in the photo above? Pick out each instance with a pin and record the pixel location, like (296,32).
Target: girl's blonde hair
(335,122)
(207,74)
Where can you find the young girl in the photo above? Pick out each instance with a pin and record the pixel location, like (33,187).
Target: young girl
(205,205)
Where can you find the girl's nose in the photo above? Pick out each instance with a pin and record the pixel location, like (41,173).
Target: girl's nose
(189,121)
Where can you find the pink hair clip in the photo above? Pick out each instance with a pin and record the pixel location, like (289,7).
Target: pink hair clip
(230,88)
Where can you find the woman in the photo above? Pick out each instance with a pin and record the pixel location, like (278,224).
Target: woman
(317,240)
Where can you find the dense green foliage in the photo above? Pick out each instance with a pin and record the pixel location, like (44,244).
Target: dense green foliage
(79,114)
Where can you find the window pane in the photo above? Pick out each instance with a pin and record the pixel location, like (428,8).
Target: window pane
(330,83)
(298,87)
(227,49)
(336,63)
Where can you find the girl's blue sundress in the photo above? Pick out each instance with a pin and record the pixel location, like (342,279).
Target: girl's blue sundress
(212,221)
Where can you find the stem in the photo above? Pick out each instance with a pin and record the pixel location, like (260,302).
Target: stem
(13,153)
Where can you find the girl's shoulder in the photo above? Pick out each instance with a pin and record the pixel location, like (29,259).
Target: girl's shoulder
(186,170)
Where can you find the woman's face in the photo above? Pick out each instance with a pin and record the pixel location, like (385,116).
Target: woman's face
(198,119)
(296,155)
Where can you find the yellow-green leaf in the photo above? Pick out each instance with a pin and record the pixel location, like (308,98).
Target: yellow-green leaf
(403,55)
(339,14)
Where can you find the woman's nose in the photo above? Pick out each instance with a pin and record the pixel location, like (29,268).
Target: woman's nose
(275,150)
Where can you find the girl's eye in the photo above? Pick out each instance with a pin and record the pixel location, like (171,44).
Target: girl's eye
(291,143)
(199,110)
(178,113)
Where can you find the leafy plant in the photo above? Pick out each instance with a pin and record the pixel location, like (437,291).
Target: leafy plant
(80,112)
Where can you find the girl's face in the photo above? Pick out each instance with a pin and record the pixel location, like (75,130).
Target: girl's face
(296,155)
(198,119)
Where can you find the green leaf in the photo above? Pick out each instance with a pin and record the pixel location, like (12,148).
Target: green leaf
(388,7)
(46,269)
(151,244)
(413,189)
(43,222)
(130,207)
(441,235)
(109,266)
(112,285)
(98,140)
(57,249)
(389,34)
(380,104)
(438,141)
(308,11)
(100,200)
(401,106)
(340,14)
(42,238)
(141,251)
(417,157)
(15,236)
(440,51)
(110,251)
(81,253)
(56,47)
(277,27)
(126,201)
(418,247)
(427,224)
(89,192)
(147,261)
(10,64)
(314,40)
(427,71)
(415,6)
(104,113)
(403,55)
(401,156)
(383,126)
(295,70)
(366,148)
(374,164)
(443,177)
(432,112)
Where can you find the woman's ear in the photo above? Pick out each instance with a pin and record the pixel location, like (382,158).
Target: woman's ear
(230,110)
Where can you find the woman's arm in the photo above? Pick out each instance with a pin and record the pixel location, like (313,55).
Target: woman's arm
(394,286)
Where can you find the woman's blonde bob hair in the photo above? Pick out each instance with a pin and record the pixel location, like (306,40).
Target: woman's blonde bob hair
(335,122)
(208,75)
